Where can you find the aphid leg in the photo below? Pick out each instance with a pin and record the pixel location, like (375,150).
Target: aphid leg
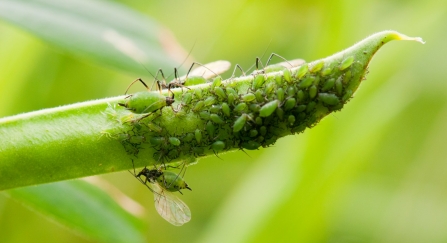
(237,66)
(274,54)
(162,83)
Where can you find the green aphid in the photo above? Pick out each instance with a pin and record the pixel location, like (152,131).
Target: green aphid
(269,88)
(241,107)
(326,72)
(308,81)
(154,127)
(263,130)
(258,120)
(280,94)
(204,115)
(291,119)
(302,71)
(198,135)
(329,84)
(289,104)
(156,141)
(287,75)
(210,101)
(329,99)
(317,81)
(220,92)
(231,98)
(210,129)
(259,96)
(347,95)
(339,86)
(147,102)
(267,109)
(174,141)
(280,113)
(216,82)
(248,97)
(316,67)
(255,107)
(199,105)
(253,133)
(218,146)
(189,137)
(194,80)
(250,145)
(300,96)
(258,81)
(312,91)
(198,93)
(198,151)
(347,62)
(291,91)
(310,106)
(216,119)
(215,109)
(301,108)
(279,81)
(226,109)
(347,77)
(186,98)
(231,91)
(240,123)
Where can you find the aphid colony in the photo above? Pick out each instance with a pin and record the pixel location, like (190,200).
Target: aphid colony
(240,113)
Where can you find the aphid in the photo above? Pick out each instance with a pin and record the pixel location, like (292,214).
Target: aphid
(329,84)
(267,109)
(218,146)
(312,91)
(199,105)
(258,81)
(145,102)
(225,109)
(280,94)
(240,123)
(163,184)
(241,107)
(198,135)
(250,145)
(174,141)
(210,101)
(307,82)
(289,104)
(216,119)
(302,71)
(220,92)
(347,62)
(329,99)
(316,67)
(248,97)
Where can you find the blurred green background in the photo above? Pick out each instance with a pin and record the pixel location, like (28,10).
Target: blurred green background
(374,172)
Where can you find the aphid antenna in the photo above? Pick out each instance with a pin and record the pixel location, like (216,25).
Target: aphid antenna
(263,54)
(237,66)
(136,80)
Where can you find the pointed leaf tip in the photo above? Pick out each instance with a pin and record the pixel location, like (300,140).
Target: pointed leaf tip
(400,36)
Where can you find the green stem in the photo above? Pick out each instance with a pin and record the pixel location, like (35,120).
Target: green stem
(88,138)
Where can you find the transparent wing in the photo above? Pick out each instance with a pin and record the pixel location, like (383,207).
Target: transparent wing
(209,70)
(169,206)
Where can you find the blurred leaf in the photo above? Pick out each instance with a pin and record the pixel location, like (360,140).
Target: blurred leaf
(105,32)
(83,208)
